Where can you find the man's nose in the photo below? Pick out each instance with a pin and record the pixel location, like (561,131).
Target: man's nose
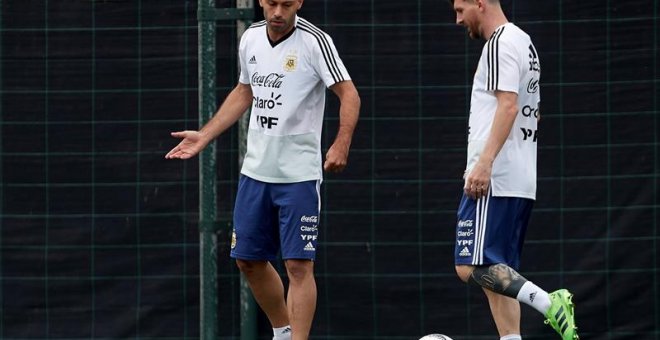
(277,12)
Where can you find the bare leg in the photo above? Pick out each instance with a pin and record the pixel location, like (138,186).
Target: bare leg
(301,299)
(501,285)
(506,313)
(267,289)
(464,272)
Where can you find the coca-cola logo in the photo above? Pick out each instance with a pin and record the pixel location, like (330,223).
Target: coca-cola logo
(533,86)
(272,80)
(309,219)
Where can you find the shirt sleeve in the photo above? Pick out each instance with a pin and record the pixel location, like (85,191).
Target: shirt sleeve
(326,61)
(503,66)
(244,76)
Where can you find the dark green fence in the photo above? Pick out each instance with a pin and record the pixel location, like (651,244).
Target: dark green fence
(99,235)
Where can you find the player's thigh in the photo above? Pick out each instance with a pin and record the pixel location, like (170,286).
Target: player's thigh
(491,230)
(505,231)
(255,235)
(299,207)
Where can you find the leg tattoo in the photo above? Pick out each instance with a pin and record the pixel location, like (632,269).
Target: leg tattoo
(499,278)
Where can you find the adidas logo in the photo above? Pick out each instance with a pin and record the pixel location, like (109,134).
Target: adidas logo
(562,321)
(309,247)
(532,296)
(287,330)
(465,252)
(253,60)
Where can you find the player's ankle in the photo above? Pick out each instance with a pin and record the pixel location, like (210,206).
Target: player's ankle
(511,337)
(535,297)
(282,333)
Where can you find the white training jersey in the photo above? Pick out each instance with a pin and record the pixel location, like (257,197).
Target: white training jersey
(288,80)
(508,62)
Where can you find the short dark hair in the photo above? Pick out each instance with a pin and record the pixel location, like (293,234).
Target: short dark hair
(451,2)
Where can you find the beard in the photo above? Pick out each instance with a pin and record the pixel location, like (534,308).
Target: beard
(474,33)
(278,26)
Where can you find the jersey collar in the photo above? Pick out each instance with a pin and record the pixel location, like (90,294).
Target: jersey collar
(285,37)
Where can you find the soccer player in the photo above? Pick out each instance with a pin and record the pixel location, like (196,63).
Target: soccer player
(500,177)
(286,63)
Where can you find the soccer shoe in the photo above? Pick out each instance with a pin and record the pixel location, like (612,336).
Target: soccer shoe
(560,315)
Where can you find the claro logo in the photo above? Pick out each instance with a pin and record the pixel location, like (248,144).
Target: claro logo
(529,111)
(309,229)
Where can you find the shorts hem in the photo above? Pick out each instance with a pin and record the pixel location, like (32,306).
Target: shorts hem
(475,265)
(489,263)
(299,258)
(252,258)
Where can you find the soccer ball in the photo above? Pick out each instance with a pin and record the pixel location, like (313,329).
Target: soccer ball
(435,337)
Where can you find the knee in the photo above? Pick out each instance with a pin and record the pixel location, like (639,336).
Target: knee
(464,272)
(299,270)
(248,267)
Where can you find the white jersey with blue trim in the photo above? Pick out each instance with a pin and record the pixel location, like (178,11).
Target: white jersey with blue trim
(288,80)
(508,62)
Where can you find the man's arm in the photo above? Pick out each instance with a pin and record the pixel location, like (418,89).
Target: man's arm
(349,110)
(236,103)
(478,180)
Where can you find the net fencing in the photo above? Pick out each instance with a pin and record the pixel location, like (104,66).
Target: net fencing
(99,236)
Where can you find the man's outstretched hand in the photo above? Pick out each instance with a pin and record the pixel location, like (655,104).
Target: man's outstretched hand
(190,146)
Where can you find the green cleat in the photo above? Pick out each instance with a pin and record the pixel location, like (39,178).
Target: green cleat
(560,315)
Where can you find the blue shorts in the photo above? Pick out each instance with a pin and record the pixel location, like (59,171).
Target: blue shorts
(491,230)
(269,217)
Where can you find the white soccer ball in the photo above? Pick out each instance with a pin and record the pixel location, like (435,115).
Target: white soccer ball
(435,337)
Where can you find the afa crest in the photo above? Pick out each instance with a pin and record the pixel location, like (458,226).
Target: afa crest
(290,63)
